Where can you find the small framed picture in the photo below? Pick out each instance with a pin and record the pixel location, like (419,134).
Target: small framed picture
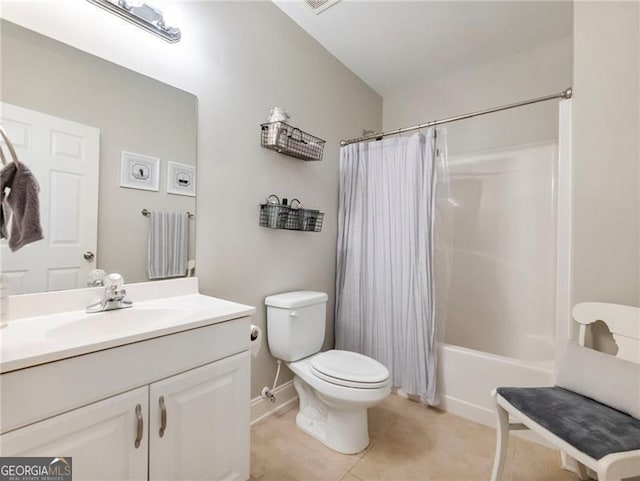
(139,171)
(181,179)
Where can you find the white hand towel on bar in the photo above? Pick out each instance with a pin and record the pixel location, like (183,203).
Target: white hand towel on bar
(168,245)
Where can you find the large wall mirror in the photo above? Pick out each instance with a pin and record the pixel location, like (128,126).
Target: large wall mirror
(105,144)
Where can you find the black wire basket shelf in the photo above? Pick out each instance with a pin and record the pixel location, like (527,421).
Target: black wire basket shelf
(292,141)
(279,216)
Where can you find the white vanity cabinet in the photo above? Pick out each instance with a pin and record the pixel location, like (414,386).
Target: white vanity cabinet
(99,437)
(172,408)
(198,421)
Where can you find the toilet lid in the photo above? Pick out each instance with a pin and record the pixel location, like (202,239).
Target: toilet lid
(349,369)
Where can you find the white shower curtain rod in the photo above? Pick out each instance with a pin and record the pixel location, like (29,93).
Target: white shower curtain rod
(565,94)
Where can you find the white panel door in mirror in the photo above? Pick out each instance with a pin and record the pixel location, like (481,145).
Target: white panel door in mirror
(64,157)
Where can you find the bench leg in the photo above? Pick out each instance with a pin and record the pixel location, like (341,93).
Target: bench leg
(582,471)
(502,441)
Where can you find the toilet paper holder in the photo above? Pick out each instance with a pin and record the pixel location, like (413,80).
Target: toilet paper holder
(255,333)
(255,340)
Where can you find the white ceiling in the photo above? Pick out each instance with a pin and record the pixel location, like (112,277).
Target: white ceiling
(394,45)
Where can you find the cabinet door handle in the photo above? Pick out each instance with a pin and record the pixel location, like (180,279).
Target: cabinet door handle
(140,428)
(163,416)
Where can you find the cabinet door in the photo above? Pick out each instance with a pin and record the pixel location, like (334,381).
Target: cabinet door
(206,423)
(100,438)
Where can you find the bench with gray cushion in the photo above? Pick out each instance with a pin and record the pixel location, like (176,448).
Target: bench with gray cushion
(593,415)
(589,426)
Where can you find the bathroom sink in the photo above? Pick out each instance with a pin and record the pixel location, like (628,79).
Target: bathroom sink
(57,331)
(106,323)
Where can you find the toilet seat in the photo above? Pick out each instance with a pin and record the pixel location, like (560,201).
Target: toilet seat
(349,369)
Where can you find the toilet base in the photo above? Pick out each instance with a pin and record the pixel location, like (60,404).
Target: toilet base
(342,429)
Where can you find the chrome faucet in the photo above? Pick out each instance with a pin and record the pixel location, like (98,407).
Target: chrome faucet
(114,295)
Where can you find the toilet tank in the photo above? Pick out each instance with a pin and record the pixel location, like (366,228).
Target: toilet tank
(296,324)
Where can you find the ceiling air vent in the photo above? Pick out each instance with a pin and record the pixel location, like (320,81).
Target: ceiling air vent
(320,6)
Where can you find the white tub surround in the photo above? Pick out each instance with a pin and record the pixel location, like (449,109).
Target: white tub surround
(159,390)
(500,325)
(502,292)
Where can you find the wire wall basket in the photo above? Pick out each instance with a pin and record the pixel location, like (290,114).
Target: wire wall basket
(280,216)
(292,141)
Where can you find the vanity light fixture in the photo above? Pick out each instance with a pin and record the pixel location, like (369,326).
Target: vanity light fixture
(142,15)
(319,6)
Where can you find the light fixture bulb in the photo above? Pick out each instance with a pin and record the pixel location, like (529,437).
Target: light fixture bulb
(171,16)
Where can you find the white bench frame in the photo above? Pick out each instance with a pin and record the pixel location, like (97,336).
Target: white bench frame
(624,324)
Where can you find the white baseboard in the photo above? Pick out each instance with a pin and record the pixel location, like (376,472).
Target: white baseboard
(261,407)
(482,415)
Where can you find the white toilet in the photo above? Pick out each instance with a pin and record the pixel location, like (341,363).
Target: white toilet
(335,388)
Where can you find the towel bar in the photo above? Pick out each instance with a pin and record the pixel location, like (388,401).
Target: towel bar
(147,213)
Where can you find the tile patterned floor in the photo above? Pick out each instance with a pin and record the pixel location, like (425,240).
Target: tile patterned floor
(409,442)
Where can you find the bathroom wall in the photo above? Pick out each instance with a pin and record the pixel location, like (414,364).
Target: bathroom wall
(540,71)
(240,59)
(130,110)
(606,152)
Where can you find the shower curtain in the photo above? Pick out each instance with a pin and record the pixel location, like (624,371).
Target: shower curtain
(385,289)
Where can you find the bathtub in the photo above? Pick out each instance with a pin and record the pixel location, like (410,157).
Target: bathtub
(466,378)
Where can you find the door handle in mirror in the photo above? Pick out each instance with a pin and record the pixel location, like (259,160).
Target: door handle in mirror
(89,256)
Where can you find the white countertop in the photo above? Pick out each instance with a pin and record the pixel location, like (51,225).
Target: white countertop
(28,341)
